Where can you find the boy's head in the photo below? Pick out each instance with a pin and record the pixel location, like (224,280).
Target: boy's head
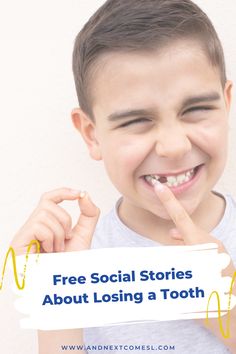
(139,26)
(150,78)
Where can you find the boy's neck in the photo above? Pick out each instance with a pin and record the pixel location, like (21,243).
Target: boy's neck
(207,217)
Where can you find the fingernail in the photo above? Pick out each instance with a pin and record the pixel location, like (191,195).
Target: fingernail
(82,194)
(159,186)
(75,191)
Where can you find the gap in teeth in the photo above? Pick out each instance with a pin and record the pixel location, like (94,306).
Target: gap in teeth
(171,181)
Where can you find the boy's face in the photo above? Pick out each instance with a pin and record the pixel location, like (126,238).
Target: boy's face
(161,114)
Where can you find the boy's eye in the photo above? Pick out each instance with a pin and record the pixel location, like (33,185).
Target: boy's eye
(135,121)
(198,108)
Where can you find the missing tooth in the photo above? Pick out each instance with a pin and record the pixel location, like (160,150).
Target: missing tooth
(162,179)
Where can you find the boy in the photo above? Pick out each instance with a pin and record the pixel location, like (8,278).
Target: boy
(154,105)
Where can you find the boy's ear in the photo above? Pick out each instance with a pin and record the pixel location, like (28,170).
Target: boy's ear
(87,129)
(228,94)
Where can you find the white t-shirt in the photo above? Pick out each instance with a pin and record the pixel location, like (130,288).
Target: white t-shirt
(176,337)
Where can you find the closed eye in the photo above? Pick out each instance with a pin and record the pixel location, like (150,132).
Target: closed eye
(134,121)
(199,108)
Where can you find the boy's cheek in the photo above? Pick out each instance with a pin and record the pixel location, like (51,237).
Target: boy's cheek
(208,138)
(125,154)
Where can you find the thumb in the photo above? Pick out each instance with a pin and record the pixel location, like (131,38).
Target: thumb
(82,233)
(175,234)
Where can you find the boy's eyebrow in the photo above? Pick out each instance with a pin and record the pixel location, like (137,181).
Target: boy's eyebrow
(208,97)
(129,113)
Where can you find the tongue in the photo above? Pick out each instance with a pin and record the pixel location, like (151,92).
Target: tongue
(162,179)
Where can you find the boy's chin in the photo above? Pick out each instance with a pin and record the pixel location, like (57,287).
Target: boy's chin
(163,214)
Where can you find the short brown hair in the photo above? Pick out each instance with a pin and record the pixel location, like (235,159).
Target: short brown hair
(138,25)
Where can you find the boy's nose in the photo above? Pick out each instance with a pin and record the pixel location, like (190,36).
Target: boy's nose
(173,142)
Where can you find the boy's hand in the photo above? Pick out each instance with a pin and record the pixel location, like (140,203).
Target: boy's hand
(185,230)
(51,225)
(190,234)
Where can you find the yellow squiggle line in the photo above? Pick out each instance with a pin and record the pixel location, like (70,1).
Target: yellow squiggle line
(227,334)
(13,256)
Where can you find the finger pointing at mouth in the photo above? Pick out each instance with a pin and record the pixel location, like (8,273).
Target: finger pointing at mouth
(190,233)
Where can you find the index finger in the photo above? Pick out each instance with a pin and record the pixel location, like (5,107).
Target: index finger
(177,213)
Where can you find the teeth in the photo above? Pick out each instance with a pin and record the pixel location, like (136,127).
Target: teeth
(171,181)
(149,179)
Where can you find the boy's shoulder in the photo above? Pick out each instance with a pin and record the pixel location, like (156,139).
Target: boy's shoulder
(228,220)
(225,231)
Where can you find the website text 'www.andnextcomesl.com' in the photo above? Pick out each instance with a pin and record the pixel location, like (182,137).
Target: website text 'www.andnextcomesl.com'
(133,348)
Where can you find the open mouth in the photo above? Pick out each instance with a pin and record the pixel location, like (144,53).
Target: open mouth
(173,180)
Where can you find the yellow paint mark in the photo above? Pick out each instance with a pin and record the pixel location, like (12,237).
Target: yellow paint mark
(225,334)
(13,256)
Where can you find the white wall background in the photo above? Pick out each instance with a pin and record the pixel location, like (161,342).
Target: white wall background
(39,148)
